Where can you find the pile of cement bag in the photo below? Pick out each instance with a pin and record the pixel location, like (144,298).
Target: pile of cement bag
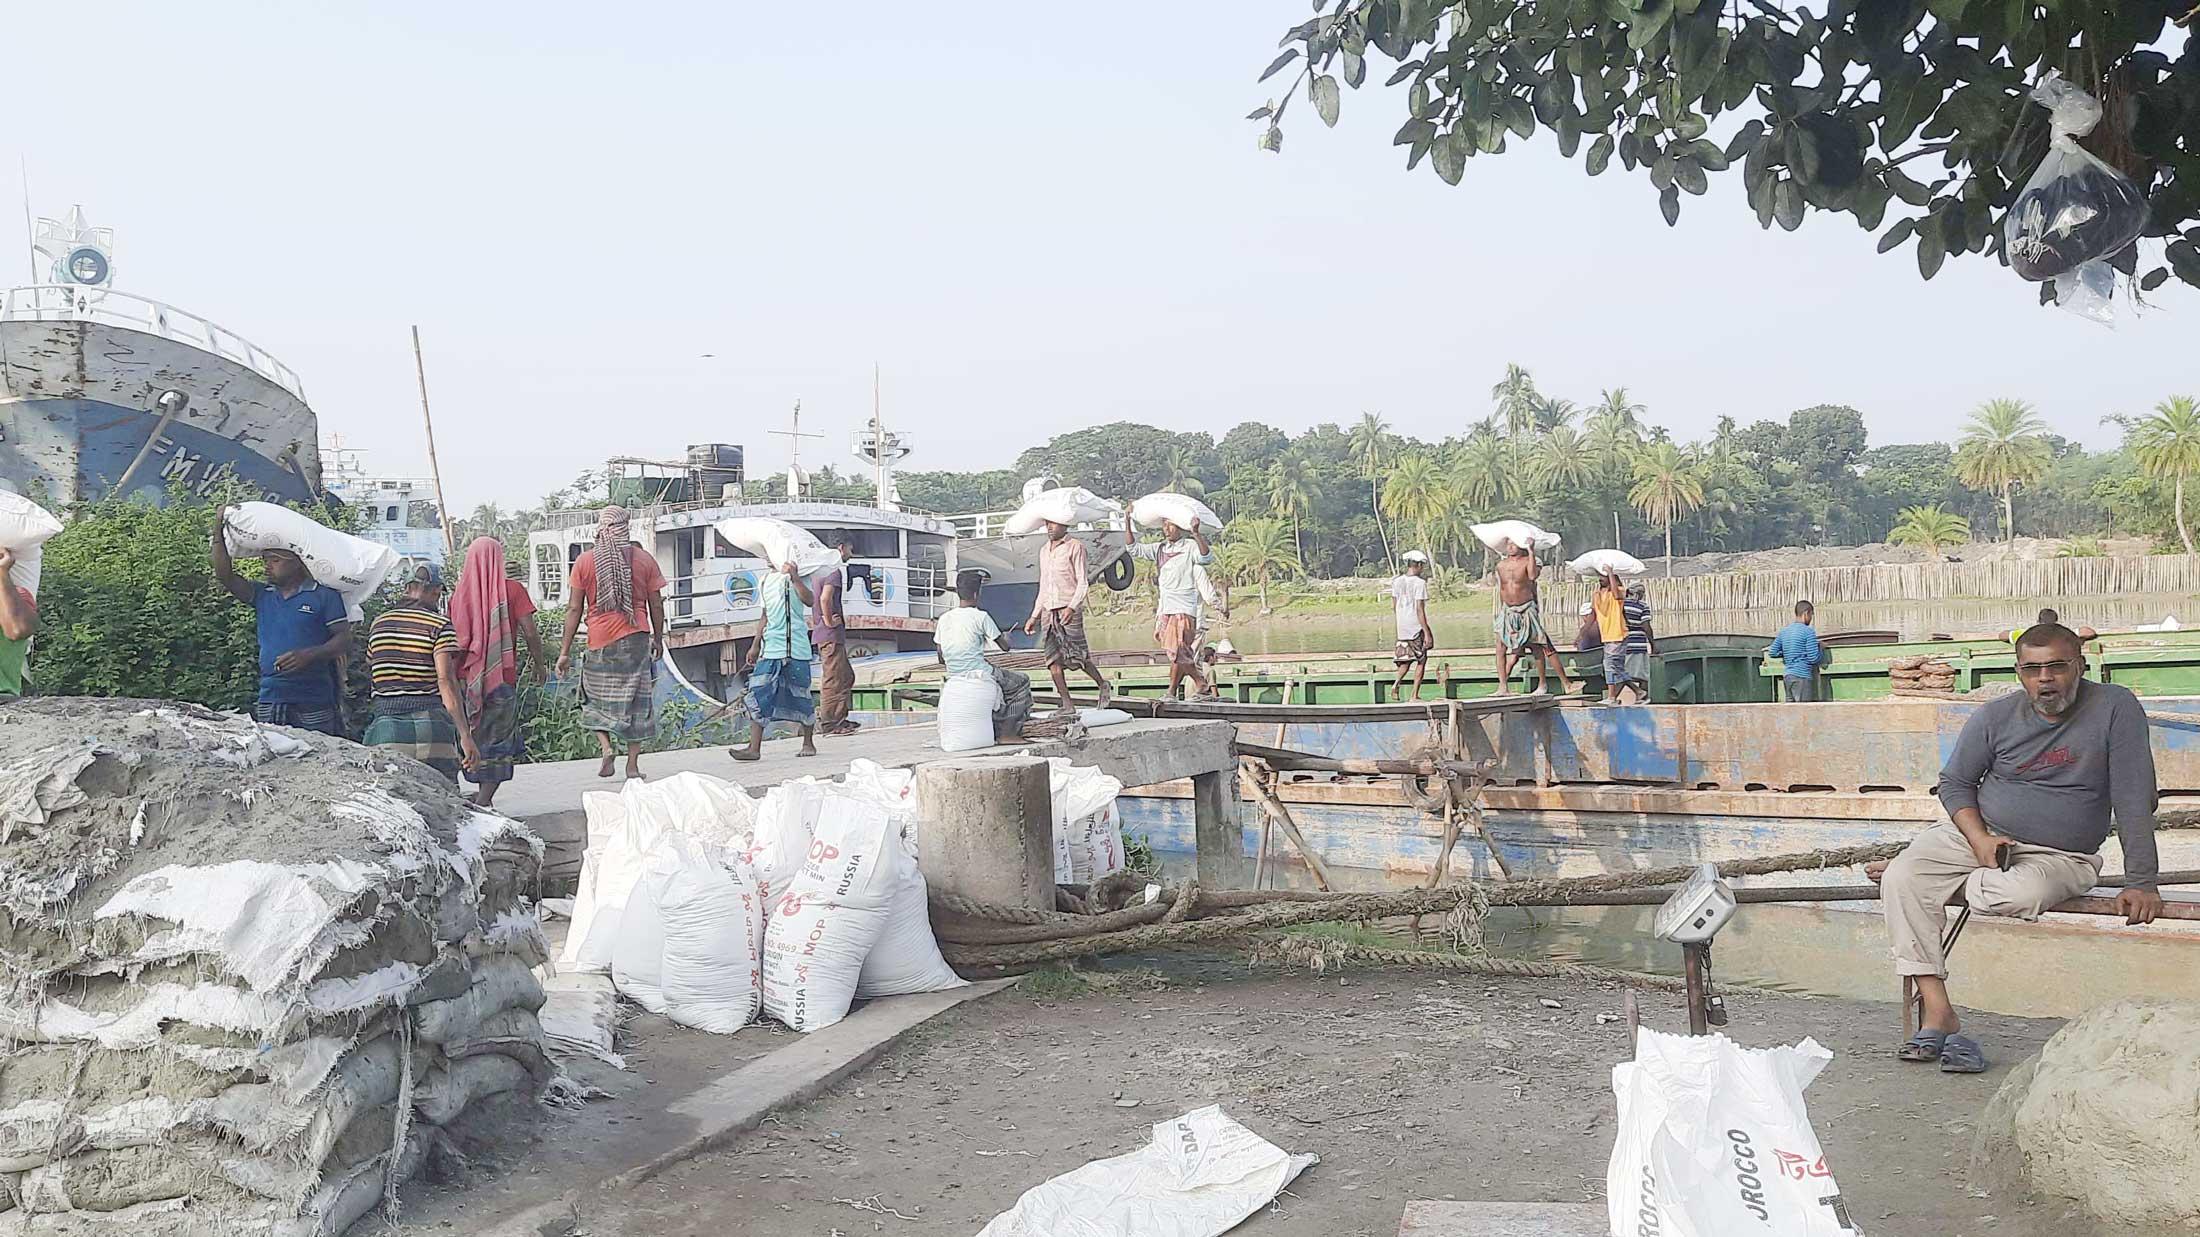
(251,972)
(710,907)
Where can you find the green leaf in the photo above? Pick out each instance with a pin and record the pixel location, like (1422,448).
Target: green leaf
(1447,157)
(2184,258)
(1870,207)
(1691,126)
(1909,190)
(1280,61)
(1946,10)
(1520,118)
(1406,70)
(1761,196)
(1355,70)
(1669,204)
(1600,155)
(2154,279)
(1262,112)
(1414,131)
(1661,172)
(1787,205)
(1569,136)
(1690,177)
(1323,90)
(1931,249)
(1802,151)
(1271,140)
(1649,23)
(1897,234)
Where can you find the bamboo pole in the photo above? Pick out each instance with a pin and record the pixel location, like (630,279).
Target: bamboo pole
(442,508)
(1281,815)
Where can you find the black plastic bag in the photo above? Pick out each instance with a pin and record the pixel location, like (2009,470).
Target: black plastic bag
(2075,209)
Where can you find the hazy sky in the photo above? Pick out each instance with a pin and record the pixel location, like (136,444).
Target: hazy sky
(1034,217)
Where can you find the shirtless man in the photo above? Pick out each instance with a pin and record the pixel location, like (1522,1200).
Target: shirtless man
(1520,620)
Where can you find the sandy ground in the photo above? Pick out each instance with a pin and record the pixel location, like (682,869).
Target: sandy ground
(1406,1084)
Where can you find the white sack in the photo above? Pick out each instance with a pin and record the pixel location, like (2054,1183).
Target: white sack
(966,709)
(1618,562)
(785,821)
(353,566)
(610,867)
(1178,509)
(777,542)
(25,527)
(1088,832)
(1714,1139)
(834,911)
(1090,718)
(1069,505)
(906,957)
(689,938)
(1202,1175)
(1519,532)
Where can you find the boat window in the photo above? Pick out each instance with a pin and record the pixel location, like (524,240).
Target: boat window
(549,575)
(391,517)
(869,542)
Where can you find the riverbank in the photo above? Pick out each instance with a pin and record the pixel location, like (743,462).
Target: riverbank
(1407,1084)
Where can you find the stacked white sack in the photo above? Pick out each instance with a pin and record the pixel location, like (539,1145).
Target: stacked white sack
(1088,829)
(253,971)
(1071,505)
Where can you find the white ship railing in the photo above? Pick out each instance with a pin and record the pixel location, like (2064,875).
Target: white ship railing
(978,525)
(75,303)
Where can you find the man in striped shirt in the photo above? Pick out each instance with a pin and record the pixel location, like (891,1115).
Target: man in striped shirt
(412,653)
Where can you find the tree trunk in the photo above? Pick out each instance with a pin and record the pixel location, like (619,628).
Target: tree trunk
(2183,533)
(1375,504)
(1264,592)
(1669,547)
(2008,515)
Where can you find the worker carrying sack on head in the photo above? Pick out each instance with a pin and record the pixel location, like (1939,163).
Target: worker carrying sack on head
(25,527)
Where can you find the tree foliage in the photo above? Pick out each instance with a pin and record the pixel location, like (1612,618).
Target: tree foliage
(1930,529)
(2167,445)
(2004,445)
(1907,115)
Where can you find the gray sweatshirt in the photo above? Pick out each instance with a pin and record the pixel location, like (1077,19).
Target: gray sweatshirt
(2056,783)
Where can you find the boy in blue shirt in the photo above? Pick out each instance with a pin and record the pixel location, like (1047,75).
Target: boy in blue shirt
(304,637)
(1800,654)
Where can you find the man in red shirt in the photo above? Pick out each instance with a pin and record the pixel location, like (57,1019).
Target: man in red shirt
(1058,613)
(619,589)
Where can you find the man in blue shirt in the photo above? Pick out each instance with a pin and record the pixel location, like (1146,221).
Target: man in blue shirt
(304,638)
(1800,654)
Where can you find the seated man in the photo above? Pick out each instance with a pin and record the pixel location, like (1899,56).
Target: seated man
(2030,789)
(962,636)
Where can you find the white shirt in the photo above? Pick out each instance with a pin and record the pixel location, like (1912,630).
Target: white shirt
(1409,591)
(1179,562)
(962,635)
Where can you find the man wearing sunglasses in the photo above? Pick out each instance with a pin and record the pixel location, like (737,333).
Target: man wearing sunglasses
(2030,790)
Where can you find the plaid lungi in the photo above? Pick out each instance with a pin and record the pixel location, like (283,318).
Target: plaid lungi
(1062,638)
(323,718)
(1412,650)
(779,691)
(617,680)
(497,734)
(1178,634)
(419,727)
(1521,627)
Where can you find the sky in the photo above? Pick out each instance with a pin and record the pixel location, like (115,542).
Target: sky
(625,228)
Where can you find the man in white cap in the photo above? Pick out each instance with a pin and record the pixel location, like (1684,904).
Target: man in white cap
(1409,593)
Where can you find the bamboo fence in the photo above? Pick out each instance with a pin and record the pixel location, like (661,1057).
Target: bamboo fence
(2044,578)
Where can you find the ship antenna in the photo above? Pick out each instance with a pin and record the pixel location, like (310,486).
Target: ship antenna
(794,437)
(30,231)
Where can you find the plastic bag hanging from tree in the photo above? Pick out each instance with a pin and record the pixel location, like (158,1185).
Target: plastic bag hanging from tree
(2076,212)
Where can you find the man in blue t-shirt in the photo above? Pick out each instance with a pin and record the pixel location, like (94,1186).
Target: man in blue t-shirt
(304,638)
(1800,654)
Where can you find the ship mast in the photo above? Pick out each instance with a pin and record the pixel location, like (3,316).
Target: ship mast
(794,437)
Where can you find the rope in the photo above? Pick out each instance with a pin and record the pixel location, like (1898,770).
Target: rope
(963,933)
(1517,968)
(957,904)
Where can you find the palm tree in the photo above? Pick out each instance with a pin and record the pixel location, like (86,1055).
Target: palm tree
(1370,443)
(1929,529)
(1482,472)
(2002,448)
(1452,530)
(1415,492)
(1257,548)
(1562,460)
(1550,414)
(1179,472)
(2167,444)
(1666,488)
(1517,400)
(1295,485)
(1614,435)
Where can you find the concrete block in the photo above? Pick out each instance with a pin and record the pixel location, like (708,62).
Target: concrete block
(988,829)
(1450,1219)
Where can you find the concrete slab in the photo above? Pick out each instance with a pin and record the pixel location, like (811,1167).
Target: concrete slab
(1140,752)
(1450,1219)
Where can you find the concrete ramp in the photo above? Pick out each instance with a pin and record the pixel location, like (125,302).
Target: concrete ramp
(1449,1219)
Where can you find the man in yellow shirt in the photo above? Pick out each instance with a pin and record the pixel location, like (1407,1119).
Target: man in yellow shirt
(1609,603)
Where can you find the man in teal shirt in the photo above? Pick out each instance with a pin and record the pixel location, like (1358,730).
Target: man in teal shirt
(18,622)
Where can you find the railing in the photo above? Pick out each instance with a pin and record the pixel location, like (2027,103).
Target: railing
(563,517)
(922,592)
(74,303)
(979,524)
(2043,578)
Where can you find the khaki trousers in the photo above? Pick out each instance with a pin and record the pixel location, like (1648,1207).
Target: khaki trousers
(1914,892)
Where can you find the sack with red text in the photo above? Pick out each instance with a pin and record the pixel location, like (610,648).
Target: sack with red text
(819,932)
(1714,1139)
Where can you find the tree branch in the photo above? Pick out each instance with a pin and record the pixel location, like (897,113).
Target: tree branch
(1928,148)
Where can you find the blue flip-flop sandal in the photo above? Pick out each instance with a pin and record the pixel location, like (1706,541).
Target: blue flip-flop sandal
(1923,1046)
(1962,1055)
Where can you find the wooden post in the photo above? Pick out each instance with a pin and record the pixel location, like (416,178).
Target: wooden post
(442,508)
(1216,833)
(1281,815)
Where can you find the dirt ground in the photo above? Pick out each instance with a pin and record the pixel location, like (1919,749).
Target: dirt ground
(1407,1084)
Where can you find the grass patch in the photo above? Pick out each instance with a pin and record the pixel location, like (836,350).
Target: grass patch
(1371,936)
(1067,983)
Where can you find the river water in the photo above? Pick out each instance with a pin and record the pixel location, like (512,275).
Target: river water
(1464,625)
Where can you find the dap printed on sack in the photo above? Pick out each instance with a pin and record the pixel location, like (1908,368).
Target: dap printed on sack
(353,566)
(1071,505)
(1714,1139)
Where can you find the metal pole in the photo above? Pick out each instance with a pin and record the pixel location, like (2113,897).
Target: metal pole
(1699,1020)
(30,232)
(442,508)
